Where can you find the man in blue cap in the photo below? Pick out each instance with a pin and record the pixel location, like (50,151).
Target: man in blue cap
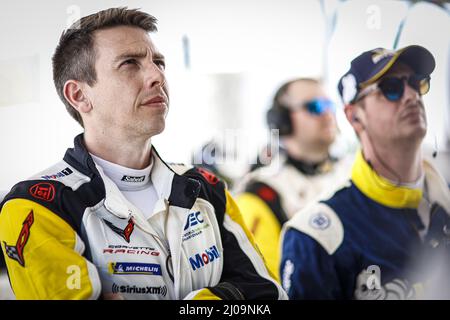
(385,234)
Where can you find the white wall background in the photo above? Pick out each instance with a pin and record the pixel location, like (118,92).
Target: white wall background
(241,51)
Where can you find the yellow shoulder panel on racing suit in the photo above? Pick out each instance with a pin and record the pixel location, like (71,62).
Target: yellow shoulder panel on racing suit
(43,254)
(265,228)
(205,294)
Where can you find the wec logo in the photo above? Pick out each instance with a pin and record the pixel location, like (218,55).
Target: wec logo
(193,219)
(200,260)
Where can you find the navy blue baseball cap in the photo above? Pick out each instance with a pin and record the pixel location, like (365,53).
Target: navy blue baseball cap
(371,65)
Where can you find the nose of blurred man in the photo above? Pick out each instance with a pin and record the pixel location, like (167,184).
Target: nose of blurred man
(327,118)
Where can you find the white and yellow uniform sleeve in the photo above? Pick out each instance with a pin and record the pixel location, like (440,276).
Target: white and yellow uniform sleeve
(43,254)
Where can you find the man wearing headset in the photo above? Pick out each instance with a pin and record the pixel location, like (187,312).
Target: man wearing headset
(305,118)
(112,219)
(376,237)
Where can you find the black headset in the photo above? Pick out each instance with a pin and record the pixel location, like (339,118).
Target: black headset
(279,115)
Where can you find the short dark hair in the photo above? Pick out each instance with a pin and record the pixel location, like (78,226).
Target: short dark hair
(74,57)
(285,87)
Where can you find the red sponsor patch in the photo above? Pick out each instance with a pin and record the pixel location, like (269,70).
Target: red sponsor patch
(267,194)
(44,191)
(211,178)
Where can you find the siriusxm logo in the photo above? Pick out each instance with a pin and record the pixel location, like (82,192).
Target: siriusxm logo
(133,179)
(135,268)
(193,219)
(161,290)
(200,260)
(63,173)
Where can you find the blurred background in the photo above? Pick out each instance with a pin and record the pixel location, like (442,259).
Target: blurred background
(225,59)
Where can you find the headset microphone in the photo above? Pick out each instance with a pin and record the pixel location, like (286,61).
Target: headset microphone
(435,151)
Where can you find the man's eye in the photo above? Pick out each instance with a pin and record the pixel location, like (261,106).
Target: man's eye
(161,64)
(128,62)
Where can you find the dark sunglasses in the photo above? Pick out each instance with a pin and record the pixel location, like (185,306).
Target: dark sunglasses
(319,106)
(393,88)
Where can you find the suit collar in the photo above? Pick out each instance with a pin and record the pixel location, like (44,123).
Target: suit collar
(179,190)
(380,189)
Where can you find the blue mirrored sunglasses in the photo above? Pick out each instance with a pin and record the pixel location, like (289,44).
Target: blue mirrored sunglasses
(393,88)
(319,106)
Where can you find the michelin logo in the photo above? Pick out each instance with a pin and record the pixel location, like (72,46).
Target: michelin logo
(135,268)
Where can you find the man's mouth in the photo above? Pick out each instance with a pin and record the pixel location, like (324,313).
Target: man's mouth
(413,110)
(155,101)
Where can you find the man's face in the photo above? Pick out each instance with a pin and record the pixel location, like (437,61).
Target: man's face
(309,130)
(130,96)
(393,123)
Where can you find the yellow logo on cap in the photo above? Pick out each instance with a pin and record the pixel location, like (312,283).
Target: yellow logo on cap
(381,54)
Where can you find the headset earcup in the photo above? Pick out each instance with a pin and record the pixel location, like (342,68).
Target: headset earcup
(279,118)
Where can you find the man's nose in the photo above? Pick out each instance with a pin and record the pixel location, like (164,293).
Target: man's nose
(154,76)
(328,114)
(410,94)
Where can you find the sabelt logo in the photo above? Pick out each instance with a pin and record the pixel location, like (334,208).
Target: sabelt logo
(133,179)
(161,290)
(202,259)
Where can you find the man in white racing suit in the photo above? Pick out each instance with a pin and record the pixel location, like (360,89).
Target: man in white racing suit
(112,220)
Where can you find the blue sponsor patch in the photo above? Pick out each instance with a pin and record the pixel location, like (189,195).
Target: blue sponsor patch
(135,268)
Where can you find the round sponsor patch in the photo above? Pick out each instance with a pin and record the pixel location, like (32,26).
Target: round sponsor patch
(320,221)
(44,191)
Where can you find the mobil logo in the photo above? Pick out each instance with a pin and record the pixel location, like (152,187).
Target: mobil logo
(193,219)
(201,259)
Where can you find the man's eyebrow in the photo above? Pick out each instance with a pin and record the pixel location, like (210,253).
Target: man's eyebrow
(137,55)
(158,56)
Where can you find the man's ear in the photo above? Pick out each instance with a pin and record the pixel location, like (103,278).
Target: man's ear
(74,93)
(352,112)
